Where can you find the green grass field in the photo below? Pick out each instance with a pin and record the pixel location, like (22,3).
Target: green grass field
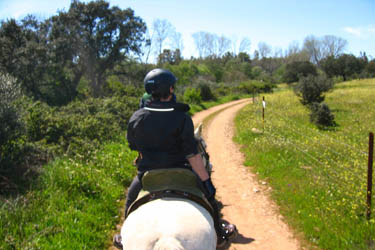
(319,177)
(73,205)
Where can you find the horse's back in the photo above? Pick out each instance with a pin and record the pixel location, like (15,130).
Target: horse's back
(169,224)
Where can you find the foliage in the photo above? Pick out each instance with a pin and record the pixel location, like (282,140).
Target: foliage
(73,204)
(205,92)
(185,72)
(49,58)
(318,177)
(311,88)
(321,115)
(171,57)
(254,87)
(9,118)
(370,68)
(77,129)
(192,95)
(25,54)
(12,145)
(80,126)
(345,65)
(295,70)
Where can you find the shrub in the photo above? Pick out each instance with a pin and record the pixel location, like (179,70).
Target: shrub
(311,88)
(295,70)
(9,118)
(321,115)
(10,123)
(252,87)
(192,96)
(205,92)
(80,126)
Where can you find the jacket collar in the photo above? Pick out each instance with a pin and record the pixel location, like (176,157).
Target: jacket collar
(167,106)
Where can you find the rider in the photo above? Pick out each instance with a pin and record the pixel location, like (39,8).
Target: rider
(164,135)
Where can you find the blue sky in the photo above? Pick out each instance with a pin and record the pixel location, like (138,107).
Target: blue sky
(275,22)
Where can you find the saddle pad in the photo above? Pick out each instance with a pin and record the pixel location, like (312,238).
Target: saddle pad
(171,179)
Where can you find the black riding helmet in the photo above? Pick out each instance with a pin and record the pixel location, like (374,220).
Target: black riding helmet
(158,82)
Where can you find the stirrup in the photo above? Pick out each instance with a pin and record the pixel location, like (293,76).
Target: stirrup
(117,241)
(222,243)
(229,231)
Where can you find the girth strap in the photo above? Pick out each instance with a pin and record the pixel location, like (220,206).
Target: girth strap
(170,194)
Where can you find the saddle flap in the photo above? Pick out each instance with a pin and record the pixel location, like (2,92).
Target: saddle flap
(179,179)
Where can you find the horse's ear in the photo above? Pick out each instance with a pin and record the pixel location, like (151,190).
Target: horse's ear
(198,130)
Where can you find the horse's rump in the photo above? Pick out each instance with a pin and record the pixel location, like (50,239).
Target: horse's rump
(165,221)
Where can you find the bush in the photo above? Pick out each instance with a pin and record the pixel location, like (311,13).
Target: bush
(311,88)
(10,123)
(295,70)
(9,118)
(205,92)
(192,96)
(80,126)
(321,115)
(253,87)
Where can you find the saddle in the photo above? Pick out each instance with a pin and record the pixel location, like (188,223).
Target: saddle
(170,183)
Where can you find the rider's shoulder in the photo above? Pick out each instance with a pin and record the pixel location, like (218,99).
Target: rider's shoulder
(167,106)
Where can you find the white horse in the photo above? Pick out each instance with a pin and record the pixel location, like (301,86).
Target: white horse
(169,224)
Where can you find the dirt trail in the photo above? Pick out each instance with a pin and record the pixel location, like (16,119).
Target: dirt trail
(245,201)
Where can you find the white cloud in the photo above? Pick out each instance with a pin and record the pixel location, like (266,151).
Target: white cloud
(362,31)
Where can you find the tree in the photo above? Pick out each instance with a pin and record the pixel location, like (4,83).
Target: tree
(162,30)
(330,66)
(223,45)
(176,41)
(321,115)
(244,57)
(10,122)
(313,47)
(370,68)
(245,45)
(171,57)
(27,54)
(200,43)
(333,46)
(320,48)
(264,49)
(348,66)
(295,70)
(310,89)
(205,43)
(94,37)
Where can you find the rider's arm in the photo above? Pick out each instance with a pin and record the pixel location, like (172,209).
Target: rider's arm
(196,163)
(130,134)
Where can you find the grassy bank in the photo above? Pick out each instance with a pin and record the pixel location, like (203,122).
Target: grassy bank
(75,201)
(73,204)
(318,176)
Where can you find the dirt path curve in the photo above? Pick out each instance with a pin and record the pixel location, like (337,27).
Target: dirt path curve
(245,201)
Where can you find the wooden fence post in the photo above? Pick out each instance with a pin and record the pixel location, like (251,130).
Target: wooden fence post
(369,173)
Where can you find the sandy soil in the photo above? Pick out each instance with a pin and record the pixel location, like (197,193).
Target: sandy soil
(245,200)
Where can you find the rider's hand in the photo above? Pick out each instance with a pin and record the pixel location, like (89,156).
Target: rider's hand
(209,189)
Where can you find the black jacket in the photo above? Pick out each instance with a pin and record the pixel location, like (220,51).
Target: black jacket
(164,134)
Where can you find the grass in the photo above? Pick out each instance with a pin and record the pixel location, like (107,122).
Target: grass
(318,177)
(73,205)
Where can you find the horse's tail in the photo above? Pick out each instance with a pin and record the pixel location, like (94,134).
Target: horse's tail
(168,243)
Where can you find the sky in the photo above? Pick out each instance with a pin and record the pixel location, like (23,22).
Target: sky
(278,23)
